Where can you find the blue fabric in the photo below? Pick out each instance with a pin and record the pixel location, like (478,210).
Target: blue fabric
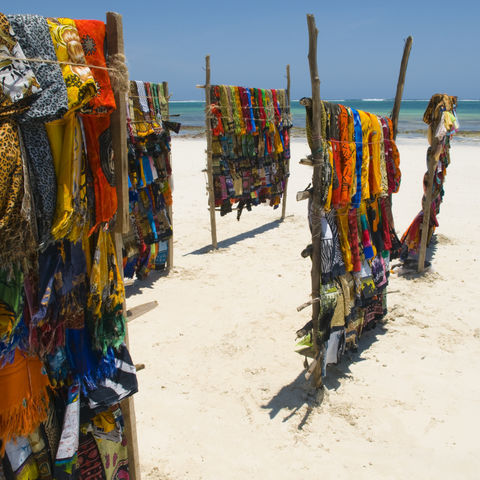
(357,198)
(250,109)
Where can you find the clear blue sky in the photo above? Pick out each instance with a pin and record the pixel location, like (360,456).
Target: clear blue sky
(360,43)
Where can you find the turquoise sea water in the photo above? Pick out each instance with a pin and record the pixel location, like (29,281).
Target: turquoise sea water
(191,114)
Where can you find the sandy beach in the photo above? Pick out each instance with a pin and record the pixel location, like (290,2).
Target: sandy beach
(223,394)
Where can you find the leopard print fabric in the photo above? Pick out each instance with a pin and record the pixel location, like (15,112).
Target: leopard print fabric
(33,35)
(43,179)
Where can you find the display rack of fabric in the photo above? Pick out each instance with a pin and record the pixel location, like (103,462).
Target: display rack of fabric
(441,118)
(149,244)
(64,365)
(356,169)
(248,147)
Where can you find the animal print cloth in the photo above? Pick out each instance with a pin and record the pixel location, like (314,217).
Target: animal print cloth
(34,37)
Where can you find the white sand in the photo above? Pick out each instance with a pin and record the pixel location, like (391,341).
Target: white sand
(223,395)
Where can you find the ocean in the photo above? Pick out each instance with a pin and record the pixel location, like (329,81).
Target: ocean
(192,117)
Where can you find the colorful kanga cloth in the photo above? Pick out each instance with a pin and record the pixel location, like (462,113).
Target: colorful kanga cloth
(92,37)
(24,398)
(50,104)
(12,330)
(81,86)
(18,86)
(89,459)
(62,294)
(66,461)
(21,459)
(114,457)
(106,296)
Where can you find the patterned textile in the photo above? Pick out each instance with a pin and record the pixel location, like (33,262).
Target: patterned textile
(121,385)
(107,293)
(21,459)
(92,37)
(33,36)
(114,458)
(89,459)
(50,104)
(40,453)
(24,400)
(17,80)
(81,86)
(100,159)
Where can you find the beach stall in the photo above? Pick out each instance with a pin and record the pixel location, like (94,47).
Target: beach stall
(66,375)
(149,244)
(356,169)
(441,118)
(248,147)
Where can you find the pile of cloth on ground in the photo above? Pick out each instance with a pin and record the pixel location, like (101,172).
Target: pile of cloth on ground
(64,366)
(441,118)
(149,174)
(250,146)
(360,171)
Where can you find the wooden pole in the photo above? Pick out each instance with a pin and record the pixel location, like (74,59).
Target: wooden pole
(118,122)
(400,84)
(432,161)
(287,172)
(118,125)
(170,182)
(316,207)
(208,132)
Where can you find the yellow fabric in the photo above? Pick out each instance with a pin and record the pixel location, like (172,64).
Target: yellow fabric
(366,134)
(65,137)
(328,201)
(81,86)
(375,138)
(105,421)
(353,148)
(342,223)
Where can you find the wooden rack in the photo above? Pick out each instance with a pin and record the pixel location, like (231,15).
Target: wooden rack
(209,169)
(315,370)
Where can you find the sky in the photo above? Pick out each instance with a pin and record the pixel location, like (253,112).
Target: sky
(250,42)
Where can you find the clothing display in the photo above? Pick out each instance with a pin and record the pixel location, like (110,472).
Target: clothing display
(63,360)
(360,170)
(149,174)
(250,146)
(441,118)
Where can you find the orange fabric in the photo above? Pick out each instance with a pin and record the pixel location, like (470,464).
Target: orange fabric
(347,155)
(374,176)
(366,135)
(23,398)
(92,38)
(342,222)
(395,157)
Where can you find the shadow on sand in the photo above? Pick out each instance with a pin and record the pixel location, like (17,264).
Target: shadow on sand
(408,268)
(135,286)
(300,392)
(238,238)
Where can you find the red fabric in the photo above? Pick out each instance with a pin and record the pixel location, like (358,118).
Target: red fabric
(92,36)
(105,194)
(353,239)
(337,192)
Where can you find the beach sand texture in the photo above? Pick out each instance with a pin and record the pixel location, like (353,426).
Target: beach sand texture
(223,394)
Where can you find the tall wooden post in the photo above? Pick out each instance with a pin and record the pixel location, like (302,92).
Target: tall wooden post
(118,126)
(432,161)
(170,182)
(400,84)
(208,132)
(284,204)
(316,212)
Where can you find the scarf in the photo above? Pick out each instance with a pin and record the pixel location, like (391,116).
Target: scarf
(81,86)
(106,297)
(24,400)
(100,159)
(92,37)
